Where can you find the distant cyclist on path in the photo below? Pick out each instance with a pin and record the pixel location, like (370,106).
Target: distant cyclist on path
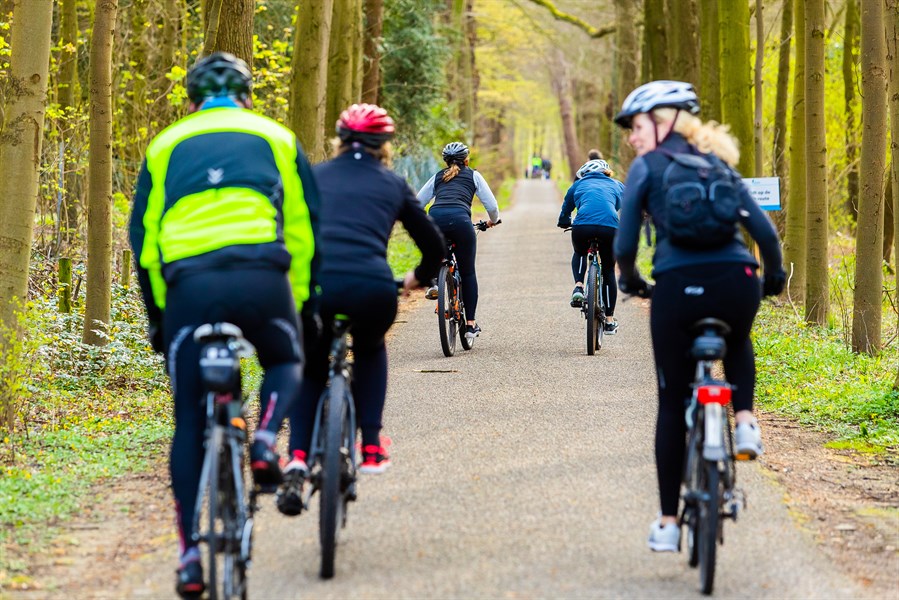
(223,229)
(691,284)
(453,189)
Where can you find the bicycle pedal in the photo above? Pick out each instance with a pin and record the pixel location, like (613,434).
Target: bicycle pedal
(744,456)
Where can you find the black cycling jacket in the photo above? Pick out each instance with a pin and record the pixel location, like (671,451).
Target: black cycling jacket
(643,192)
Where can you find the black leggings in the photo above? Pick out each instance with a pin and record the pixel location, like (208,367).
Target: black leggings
(258,301)
(726,291)
(580,239)
(371,305)
(455,223)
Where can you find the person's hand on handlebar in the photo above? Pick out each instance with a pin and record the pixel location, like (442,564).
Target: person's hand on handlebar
(492,224)
(636,287)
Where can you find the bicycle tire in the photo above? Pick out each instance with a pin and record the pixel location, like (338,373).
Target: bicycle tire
(241,529)
(594,335)
(446,317)
(709,515)
(212,509)
(331,497)
(228,511)
(693,481)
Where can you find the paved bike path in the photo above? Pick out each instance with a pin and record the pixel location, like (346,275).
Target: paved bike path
(524,468)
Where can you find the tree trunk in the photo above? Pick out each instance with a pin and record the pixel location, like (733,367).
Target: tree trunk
(469,70)
(20,150)
(850,58)
(66,88)
(358,36)
(759,63)
(684,40)
(736,111)
(710,74)
(783,80)
(888,217)
(588,114)
(309,76)
(817,285)
(98,290)
(562,88)
(794,241)
(374,24)
(656,38)
(892,20)
(627,70)
(340,81)
(229,28)
(867,313)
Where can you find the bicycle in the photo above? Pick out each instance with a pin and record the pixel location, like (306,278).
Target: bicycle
(228,510)
(593,307)
(450,305)
(709,480)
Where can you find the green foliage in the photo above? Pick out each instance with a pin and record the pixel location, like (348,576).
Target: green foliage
(414,81)
(808,373)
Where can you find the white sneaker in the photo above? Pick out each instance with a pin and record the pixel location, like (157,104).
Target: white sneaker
(664,539)
(748,440)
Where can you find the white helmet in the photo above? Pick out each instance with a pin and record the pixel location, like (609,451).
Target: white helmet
(658,94)
(593,166)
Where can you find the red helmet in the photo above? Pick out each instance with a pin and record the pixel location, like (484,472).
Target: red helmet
(368,124)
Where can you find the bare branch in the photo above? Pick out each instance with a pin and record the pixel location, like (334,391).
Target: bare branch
(561,16)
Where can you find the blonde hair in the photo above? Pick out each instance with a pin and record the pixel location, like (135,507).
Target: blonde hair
(453,170)
(383,153)
(709,137)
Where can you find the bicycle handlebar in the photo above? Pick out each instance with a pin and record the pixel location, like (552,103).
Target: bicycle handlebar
(482,225)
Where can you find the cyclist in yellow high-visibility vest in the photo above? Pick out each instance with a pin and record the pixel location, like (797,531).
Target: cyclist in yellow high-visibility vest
(223,229)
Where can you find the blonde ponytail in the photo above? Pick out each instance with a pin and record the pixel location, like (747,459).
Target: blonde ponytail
(709,137)
(451,172)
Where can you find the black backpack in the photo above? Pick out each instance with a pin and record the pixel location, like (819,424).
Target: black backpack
(702,200)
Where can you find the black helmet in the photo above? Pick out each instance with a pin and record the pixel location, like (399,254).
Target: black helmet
(455,152)
(219,74)
(657,94)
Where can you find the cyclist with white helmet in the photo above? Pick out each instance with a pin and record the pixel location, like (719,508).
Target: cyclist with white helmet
(692,283)
(453,189)
(597,198)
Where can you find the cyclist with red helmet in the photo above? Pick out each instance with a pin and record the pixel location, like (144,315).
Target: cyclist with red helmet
(361,199)
(453,189)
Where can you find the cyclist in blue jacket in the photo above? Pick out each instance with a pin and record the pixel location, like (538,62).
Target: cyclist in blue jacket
(597,198)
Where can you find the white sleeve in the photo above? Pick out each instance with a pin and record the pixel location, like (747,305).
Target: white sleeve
(426,193)
(486,196)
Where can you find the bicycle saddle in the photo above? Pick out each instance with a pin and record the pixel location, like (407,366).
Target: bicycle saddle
(709,343)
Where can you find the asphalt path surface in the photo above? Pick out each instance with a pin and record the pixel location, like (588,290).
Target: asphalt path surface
(524,468)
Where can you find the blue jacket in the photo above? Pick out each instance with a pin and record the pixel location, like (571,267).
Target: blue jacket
(597,198)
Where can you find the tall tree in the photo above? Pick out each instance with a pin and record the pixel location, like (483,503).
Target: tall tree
(794,242)
(757,86)
(98,291)
(358,35)
(736,111)
(628,56)
(374,23)
(309,75)
(562,87)
(710,74)
(66,88)
(783,80)
(867,311)
(892,20)
(340,63)
(229,27)
(656,37)
(20,161)
(684,40)
(850,58)
(817,284)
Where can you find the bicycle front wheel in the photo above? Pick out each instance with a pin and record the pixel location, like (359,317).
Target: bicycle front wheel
(709,522)
(593,311)
(332,500)
(447,298)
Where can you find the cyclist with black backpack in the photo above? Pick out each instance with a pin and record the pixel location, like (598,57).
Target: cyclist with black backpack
(684,179)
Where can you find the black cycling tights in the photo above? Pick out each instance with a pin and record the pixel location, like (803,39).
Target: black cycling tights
(261,304)
(371,306)
(580,239)
(726,291)
(455,223)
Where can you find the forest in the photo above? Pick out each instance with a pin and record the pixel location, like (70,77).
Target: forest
(810,88)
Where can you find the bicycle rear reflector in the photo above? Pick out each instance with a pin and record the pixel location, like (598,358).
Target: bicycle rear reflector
(713,394)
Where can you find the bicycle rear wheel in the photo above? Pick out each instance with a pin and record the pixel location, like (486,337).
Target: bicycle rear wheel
(694,481)
(446,310)
(214,534)
(592,310)
(709,523)
(332,498)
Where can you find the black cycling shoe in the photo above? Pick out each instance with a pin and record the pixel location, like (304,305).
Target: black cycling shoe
(190,580)
(290,495)
(265,466)
(577,297)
